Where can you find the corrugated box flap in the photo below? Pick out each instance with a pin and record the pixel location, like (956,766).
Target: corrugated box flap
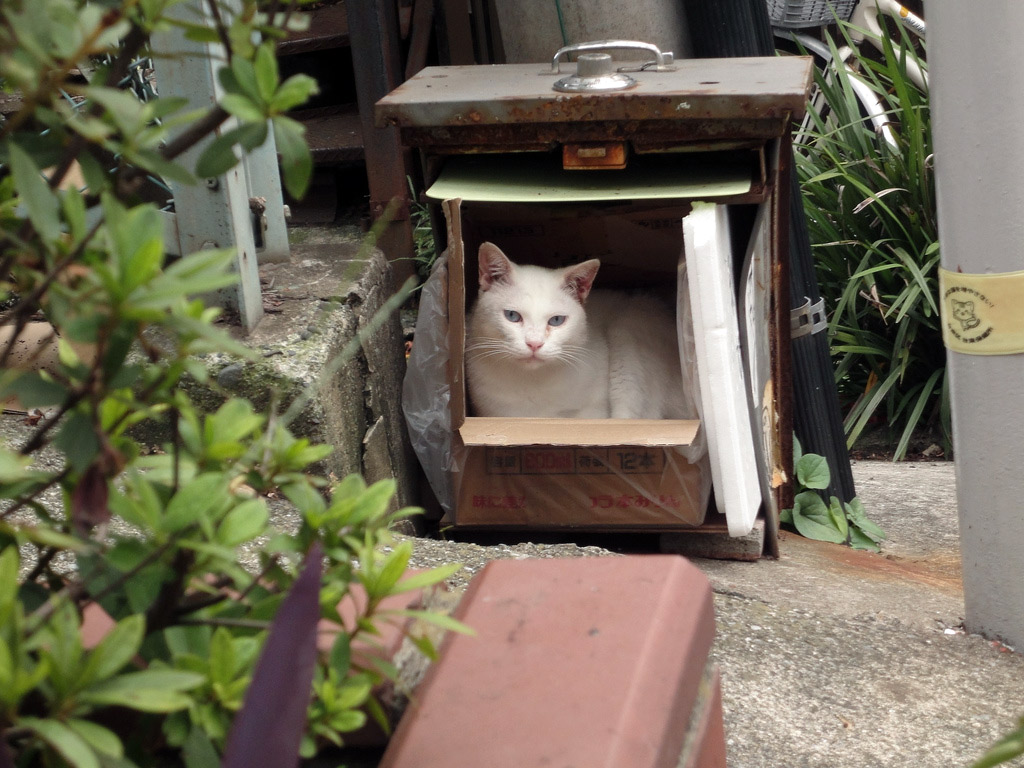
(497,432)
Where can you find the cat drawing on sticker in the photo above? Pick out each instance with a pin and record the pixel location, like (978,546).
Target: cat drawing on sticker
(964,312)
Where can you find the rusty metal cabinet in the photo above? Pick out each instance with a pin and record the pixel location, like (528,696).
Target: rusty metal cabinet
(516,157)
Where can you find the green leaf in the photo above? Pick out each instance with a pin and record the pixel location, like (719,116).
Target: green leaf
(94,173)
(233,421)
(1008,748)
(246,521)
(7,669)
(858,540)
(293,92)
(341,653)
(138,243)
(425,646)
(348,721)
(123,106)
(196,273)
(152,690)
(442,620)
(48,537)
(13,467)
(838,515)
(144,587)
(265,66)
(152,161)
(101,739)
(859,518)
(426,578)
(222,657)
(219,156)
(195,500)
(65,741)
(40,202)
(812,519)
(242,107)
(242,78)
(74,213)
(373,503)
(296,161)
(812,471)
(383,581)
(353,692)
(116,649)
(198,750)
(77,439)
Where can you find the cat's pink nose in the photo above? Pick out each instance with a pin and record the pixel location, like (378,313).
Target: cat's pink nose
(534,345)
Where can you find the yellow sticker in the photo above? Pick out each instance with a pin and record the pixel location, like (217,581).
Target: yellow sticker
(982,314)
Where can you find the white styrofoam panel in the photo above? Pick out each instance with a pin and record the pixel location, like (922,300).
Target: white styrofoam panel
(720,366)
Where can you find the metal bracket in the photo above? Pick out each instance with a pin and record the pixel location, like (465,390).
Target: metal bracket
(807,319)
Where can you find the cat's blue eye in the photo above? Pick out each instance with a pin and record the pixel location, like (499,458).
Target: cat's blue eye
(556,320)
(512,316)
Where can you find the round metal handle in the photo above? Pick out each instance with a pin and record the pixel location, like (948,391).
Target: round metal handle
(662,59)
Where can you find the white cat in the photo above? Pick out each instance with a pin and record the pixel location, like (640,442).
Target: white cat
(540,343)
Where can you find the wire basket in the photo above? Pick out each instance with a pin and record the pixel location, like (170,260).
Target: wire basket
(808,13)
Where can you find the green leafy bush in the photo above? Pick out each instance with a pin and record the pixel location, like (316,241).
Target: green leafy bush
(149,535)
(871,215)
(837,521)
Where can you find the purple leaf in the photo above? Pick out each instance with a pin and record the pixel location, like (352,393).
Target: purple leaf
(268,729)
(6,761)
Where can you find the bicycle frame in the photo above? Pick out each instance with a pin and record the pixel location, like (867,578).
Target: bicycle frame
(865,16)
(865,19)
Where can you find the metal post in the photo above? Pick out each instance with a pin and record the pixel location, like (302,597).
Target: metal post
(978,115)
(214,213)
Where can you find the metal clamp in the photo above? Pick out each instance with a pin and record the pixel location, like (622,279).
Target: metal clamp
(807,319)
(662,59)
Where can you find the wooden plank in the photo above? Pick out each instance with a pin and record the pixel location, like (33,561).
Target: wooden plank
(335,138)
(376,58)
(458,32)
(487,431)
(422,24)
(712,540)
(328,28)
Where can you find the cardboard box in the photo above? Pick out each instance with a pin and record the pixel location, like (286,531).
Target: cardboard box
(705,145)
(598,474)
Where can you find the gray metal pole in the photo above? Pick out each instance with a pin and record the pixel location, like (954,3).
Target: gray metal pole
(978,113)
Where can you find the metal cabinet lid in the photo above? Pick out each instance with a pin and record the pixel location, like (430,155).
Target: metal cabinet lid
(734,89)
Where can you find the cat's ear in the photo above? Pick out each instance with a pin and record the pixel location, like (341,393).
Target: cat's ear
(580,279)
(495,266)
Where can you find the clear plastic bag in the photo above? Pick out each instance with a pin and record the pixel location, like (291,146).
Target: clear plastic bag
(425,390)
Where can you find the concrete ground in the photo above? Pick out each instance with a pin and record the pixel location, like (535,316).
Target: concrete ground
(837,658)
(833,658)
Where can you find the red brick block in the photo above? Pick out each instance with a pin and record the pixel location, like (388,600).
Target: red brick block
(576,662)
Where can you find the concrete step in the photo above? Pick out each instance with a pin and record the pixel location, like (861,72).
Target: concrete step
(316,306)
